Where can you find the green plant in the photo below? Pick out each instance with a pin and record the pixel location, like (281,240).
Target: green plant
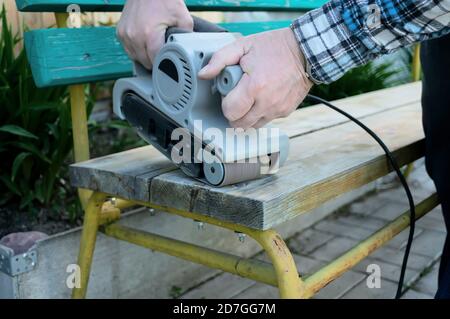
(35,130)
(366,78)
(112,136)
(175,292)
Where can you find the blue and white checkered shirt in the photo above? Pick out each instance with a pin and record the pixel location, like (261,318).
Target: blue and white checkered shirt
(346,33)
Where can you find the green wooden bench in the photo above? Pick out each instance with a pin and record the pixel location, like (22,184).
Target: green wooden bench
(326,160)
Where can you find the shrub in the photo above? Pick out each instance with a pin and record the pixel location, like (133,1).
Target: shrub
(366,78)
(35,129)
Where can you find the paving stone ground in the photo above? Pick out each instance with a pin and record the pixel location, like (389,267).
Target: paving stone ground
(332,236)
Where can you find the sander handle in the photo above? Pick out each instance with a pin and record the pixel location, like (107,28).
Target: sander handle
(231,75)
(200,25)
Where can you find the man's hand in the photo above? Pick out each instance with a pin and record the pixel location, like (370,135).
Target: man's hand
(143,25)
(274,81)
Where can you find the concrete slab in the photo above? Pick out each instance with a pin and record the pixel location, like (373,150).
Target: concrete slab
(428,283)
(308,241)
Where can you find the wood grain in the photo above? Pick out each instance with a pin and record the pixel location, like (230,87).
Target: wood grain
(70,56)
(326,160)
(128,174)
(321,166)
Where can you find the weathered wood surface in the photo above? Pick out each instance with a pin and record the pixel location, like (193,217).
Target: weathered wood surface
(329,156)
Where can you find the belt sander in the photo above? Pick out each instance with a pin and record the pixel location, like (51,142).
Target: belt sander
(181,115)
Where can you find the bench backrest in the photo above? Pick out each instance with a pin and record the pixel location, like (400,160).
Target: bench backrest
(194,5)
(67,56)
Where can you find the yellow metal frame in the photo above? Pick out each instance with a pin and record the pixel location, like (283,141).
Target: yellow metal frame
(416,71)
(79,119)
(102,215)
(416,67)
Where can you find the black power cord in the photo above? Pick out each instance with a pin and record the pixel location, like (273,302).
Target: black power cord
(396,168)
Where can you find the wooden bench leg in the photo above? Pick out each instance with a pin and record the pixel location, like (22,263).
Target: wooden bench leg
(87,243)
(289,282)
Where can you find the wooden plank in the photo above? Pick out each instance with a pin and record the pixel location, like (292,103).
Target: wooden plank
(247,28)
(323,164)
(319,116)
(194,5)
(299,123)
(70,56)
(120,170)
(73,56)
(128,175)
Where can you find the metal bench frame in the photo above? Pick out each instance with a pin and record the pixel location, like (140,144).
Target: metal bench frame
(102,215)
(102,211)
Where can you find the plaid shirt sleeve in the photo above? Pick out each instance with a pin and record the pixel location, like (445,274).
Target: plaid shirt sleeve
(346,33)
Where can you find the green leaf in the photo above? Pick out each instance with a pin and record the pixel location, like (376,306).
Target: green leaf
(17,130)
(6,197)
(32,159)
(26,200)
(119,125)
(17,162)
(39,187)
(13,188)
(44,106)
(33,149)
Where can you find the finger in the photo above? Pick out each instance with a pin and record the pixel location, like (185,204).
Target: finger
(228,55)
(153,45)
(126,44)
(185,21)
(141,56)
(262,121)
(250,119)
(239,101)
(130,52)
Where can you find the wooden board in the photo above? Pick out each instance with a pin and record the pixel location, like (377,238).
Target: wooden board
(72,56)
(66,56)
(329,156)
(194,5)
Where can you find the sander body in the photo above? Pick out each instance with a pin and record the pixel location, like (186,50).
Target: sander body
(181,115)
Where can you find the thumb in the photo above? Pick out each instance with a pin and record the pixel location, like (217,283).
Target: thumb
(228,55)
(186,22)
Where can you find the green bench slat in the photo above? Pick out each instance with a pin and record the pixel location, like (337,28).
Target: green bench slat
(194,5)
(247,28)
(72,56)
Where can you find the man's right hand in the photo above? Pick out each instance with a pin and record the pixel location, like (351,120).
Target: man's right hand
(143,25)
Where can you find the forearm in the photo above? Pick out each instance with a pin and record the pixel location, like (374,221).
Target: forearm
(346,33)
